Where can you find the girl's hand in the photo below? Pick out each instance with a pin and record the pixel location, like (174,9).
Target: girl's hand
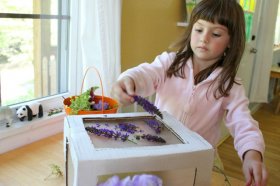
(254,169)
(123,90)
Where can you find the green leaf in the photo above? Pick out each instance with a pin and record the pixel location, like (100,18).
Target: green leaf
(81,102)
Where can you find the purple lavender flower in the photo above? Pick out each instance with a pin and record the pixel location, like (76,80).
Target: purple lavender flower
(128,127)
(117,135)
(155,125)
(147,106)
(107,133)
(98,106)
(124,137)
(153,138)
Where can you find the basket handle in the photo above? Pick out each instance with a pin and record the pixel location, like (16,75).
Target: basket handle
(94,68)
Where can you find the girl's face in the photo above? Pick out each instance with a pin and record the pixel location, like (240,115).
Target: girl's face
(209,41)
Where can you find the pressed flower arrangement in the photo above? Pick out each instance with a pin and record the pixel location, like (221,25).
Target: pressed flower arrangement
(129,132)
(124,131)
(89,103)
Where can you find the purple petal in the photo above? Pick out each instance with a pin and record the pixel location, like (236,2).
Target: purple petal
(147,180)
(113,181)
(126,182)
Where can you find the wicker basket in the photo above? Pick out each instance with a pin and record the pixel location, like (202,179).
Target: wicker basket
(113,104)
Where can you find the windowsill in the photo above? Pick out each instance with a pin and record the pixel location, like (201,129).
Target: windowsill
(23,126)
(25,132)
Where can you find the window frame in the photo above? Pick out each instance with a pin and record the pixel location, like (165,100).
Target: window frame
(55,101)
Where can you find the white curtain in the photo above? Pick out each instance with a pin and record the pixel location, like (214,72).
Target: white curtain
(100,22)
(264,55)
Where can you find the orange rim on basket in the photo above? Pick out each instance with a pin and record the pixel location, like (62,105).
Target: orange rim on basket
(110,101)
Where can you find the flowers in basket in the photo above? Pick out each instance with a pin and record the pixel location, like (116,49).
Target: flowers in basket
(88,101)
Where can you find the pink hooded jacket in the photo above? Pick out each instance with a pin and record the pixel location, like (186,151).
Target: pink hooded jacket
(189,104)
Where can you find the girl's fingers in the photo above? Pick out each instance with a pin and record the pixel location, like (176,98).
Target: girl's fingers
(264,176)
(257,174)
(248,177)
(129,86)
(122,91)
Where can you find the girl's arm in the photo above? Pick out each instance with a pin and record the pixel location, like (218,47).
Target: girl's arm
(244,129)
(142,80)
(248,139)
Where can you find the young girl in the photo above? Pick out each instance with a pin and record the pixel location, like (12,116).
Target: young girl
(198,84)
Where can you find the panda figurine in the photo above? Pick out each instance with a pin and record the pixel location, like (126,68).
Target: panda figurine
(31,110)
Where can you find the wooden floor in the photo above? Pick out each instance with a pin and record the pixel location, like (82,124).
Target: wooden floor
(270,126)
(30,165)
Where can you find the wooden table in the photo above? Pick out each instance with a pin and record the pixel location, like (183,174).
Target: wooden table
(275,73)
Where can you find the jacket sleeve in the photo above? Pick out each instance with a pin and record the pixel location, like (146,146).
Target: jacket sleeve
(244,129)
(148,77)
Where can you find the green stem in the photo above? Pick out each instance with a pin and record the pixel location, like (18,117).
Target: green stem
(131,141)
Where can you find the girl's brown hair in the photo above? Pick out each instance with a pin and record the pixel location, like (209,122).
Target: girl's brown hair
(227,13)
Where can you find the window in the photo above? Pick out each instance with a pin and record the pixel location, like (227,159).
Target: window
(33,49)
(277,29)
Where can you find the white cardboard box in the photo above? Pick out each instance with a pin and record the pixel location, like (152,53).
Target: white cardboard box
(186,158)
